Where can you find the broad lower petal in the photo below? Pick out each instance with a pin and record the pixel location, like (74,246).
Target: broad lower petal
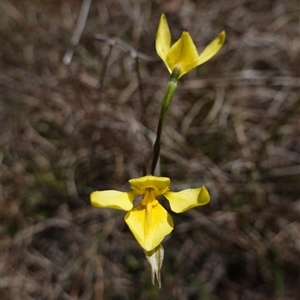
(212,49)
(183,55)
(163,38)
(149,224)
(113,199)
(187,199)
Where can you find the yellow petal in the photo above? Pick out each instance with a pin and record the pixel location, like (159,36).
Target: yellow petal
(212,49)
(113,199)
(183,55)
(187,199)
(149,224)
(159,184)
(163,38)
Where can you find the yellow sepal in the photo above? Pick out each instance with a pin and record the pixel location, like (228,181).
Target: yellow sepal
(159,184)
(187,199)
(113,199)
(212,49)
(182,55)
(163,38)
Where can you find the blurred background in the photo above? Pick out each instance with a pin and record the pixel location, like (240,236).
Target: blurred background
(70,129)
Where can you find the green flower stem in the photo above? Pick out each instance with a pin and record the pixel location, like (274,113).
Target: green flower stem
(156,146)
(171,88)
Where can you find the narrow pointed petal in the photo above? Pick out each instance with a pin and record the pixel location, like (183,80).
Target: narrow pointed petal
(212,49)
(163,38)
(183,55)
(159,184)
(149,224)
(113,199)
(155,259)
(187,199)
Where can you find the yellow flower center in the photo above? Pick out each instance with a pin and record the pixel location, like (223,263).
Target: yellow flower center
(149,197)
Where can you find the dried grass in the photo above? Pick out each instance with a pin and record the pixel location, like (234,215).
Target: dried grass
(68,130)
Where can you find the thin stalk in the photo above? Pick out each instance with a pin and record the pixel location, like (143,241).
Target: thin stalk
(156,146)
(169,93)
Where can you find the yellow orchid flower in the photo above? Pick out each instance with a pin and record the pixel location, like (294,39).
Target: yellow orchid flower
(183,55)
(149,221)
